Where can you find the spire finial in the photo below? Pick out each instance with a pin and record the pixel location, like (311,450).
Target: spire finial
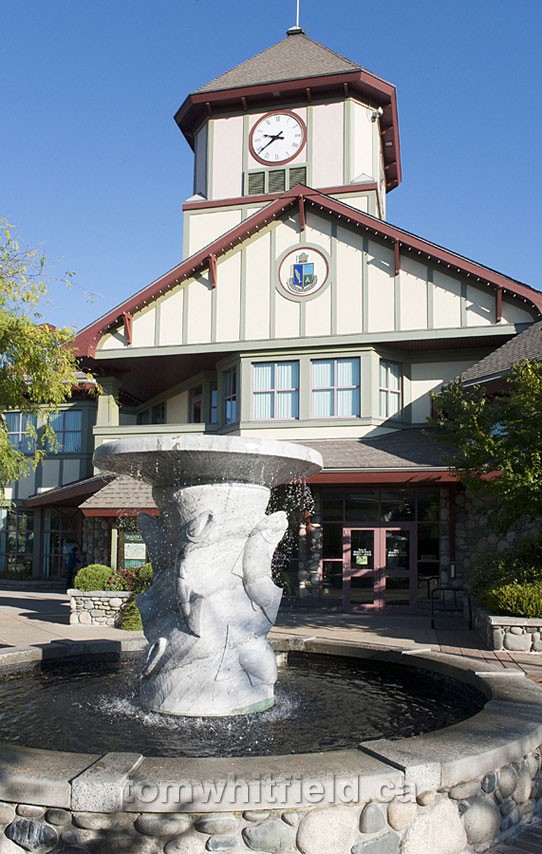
(293,31)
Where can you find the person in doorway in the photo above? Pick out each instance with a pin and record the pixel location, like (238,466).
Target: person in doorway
(73,562)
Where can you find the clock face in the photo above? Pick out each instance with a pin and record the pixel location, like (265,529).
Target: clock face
(277,138)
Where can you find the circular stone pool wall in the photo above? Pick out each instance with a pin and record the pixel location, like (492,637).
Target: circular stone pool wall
(447,792)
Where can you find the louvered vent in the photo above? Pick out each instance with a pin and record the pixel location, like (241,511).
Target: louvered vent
(256,183)
(297,176)
(277,181)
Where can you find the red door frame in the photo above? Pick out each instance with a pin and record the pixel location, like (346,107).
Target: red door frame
(380,573)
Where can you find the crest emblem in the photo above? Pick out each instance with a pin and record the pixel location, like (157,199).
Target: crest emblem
(303,278)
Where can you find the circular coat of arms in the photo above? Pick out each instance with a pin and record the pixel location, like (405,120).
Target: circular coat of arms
(302,271)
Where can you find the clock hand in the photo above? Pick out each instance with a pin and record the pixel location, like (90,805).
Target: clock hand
(273,138)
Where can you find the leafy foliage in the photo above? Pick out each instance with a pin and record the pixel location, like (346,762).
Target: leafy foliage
(520,565)
(136,580)
(517,600)
(131,618)
(495,445)
(36,364)
(510,582)
(95,576)
(297,502)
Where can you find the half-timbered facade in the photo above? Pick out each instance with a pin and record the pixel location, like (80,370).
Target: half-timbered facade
(299,313)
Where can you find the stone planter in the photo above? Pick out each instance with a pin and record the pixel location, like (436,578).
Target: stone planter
(97,607)
(514,634)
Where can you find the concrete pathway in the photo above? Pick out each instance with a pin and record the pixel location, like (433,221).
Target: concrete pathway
(38,619)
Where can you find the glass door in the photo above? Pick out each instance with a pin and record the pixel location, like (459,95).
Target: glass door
(379,568)
(360,576)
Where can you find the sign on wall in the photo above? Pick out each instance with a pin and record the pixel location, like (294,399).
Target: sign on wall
(133,550)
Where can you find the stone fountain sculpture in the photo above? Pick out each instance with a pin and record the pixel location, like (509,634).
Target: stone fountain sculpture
(212,601)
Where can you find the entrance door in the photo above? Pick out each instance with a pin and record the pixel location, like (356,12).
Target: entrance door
(379,568)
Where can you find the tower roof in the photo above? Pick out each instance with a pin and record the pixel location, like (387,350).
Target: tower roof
(294,57)
(296,70)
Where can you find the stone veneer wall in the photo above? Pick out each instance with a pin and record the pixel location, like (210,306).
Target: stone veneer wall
(96,540)
(97,608)
(310,553)
(474,538)
(458,820)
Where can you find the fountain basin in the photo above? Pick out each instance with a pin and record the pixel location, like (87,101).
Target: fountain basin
(185,460)
(452,778)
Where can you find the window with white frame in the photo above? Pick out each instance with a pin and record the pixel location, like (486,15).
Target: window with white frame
(335,388)
(390,388)
(275,390)
(68,429)
(21,427)
(230,396)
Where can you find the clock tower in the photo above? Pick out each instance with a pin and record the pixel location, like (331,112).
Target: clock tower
(297,113)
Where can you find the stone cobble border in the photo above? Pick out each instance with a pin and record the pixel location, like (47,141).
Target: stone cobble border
(453,791)
(513,634)
(97,607)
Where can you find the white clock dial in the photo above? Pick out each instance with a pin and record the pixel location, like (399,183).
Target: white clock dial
(277,138)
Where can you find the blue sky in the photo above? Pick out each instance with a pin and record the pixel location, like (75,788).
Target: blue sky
(95,171)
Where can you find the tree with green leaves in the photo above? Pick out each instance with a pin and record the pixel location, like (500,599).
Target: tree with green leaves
(495,442)
(37,368)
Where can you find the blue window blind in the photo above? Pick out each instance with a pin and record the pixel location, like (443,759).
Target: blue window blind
(275,390)
(335,388)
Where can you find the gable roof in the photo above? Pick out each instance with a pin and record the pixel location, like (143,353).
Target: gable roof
(86,341)
(526,345)
(296,70)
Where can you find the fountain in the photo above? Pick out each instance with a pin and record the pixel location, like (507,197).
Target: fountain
(212,601)
(206,618)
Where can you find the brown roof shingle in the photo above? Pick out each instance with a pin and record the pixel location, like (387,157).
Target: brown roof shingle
(294,57)
(526,345)
(123,493)
(412,448)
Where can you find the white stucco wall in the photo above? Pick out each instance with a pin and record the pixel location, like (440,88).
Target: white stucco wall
(381,288)
(427,377)
(327,149)
(361,142)
(226,173)
(205,227)
(413,295)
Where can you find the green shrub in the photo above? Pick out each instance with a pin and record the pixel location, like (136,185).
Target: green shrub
(521,564)
(135,580)
(516,600)
(131,618)
(95,576)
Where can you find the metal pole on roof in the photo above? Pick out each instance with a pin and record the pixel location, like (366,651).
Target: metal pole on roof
(297,14)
